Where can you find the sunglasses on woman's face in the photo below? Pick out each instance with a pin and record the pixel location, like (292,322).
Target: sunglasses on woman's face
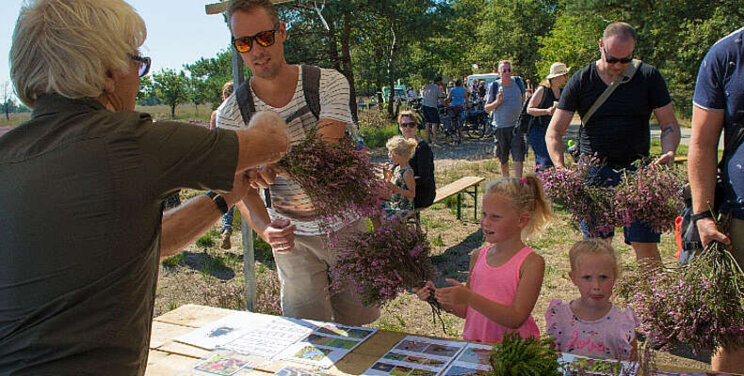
(614,60)
(263,38)
(143,64)
(410,124)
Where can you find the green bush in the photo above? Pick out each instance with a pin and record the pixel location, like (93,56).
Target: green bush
(376,128)
(205,241)
(173,261)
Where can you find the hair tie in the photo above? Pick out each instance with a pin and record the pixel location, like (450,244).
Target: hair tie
(523,180)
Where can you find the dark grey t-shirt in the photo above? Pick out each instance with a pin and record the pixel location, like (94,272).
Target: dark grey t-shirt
(80,196)
(618,131)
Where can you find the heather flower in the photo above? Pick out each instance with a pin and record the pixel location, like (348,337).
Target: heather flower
(339,180)
(700,303)
(381,263)
(592,204)
(652,195)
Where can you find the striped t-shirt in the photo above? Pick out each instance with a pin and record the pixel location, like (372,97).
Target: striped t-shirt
(288,200)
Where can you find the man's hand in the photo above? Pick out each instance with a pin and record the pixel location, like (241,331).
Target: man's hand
(264,142)
(261,177)
(458,294)
(709,232)
(666,158)
(280,235)
(240,187)
(425,292)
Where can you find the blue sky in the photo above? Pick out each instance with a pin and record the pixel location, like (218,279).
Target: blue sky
(178,32)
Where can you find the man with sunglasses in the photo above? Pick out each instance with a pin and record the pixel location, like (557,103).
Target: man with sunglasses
(618,131)
(287,220)
(504,99)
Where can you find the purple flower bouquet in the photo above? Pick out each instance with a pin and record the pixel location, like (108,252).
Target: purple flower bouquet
(594,205)
(700,303)
(651,194)
(380,264)
(339,180)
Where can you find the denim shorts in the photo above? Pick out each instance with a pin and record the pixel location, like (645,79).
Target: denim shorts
(637,232)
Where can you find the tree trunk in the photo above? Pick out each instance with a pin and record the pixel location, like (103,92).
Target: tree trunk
(173,111)
(346,68)
(391,73)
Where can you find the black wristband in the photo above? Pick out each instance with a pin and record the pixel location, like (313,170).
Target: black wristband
(218,200)
(705,214)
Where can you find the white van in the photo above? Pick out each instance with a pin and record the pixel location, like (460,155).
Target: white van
(487,77)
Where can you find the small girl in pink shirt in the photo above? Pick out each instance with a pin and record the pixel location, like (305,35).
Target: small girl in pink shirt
(506,275)
(591,325)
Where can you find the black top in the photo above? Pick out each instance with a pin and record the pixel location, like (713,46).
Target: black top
(81,190)
(618,131)
(422,164)
(547,101)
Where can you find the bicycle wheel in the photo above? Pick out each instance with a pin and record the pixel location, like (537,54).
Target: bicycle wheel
(474,130)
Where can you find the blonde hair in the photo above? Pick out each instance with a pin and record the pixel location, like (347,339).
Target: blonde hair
(401,146)
(593,246)
(67,47)
(408,113)
(526,195)
(227,89)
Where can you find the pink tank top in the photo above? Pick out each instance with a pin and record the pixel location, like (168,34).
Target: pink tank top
(499,285)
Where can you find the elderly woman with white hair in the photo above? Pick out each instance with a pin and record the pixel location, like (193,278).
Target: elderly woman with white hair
(542,105)
(81,187)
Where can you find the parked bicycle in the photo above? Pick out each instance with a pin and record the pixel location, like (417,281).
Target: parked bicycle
(450,127)
(476,124)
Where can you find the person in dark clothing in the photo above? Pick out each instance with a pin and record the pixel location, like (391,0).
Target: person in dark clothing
(542,105)
(618,132)
(422,162)
(81,189)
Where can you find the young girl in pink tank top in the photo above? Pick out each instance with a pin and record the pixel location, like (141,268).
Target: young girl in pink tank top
(505,276)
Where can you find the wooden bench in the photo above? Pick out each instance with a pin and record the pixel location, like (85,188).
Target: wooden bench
(457,187)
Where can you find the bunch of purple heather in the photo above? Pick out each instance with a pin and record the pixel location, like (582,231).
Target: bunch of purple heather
(651,194)
(700,303)
(339,180)
(594,205)
(381,263)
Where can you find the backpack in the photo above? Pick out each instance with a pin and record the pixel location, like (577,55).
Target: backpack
(310,88)
(525,120)
(688,237)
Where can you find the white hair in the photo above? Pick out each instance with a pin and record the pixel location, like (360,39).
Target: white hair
(68,46)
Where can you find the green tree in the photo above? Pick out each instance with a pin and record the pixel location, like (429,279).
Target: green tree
(213,73)
(171,87)
(572,41)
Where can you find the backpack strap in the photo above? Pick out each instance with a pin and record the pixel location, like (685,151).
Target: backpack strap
(311,88)
(245,101)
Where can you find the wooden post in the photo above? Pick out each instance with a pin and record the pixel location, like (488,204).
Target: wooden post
(248,252)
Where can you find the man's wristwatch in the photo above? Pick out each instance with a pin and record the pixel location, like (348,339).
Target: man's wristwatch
(218,200)
(704,214)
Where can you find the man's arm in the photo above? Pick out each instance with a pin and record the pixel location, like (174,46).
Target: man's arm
(701,168)
(279,234)
(554,136)
(670,134)
(181,225)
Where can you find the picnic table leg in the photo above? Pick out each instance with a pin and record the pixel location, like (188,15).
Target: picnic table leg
(459,204)
(475,203)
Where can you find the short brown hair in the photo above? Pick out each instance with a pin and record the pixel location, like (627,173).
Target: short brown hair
(249,5)
(623,30)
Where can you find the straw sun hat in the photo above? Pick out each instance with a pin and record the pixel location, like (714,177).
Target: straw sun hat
(557,69)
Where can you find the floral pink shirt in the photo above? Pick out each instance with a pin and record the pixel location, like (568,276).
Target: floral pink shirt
(608,337)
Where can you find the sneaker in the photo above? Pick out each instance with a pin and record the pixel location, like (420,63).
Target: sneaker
(226,240)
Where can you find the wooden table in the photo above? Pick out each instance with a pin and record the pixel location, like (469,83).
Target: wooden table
(168,357)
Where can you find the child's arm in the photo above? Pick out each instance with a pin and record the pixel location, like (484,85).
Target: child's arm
(459,310)
(410,180)
(511,316)
(634,350)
